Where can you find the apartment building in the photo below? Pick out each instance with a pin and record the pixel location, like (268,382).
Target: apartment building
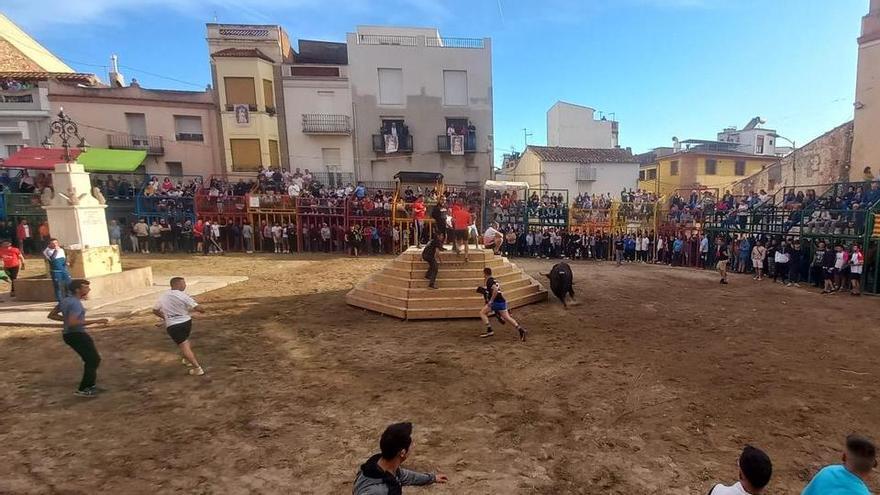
(420,102)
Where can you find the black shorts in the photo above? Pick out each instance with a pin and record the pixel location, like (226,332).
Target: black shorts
(855,276)
(180,333)
(460,235)
(12,272)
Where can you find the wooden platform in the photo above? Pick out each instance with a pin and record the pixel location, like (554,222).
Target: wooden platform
(401,289)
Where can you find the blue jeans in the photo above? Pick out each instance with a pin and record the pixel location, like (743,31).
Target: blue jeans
(60,282)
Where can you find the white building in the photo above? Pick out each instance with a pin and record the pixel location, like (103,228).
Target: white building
(574,126)
(411,89)
(754,139)
(317,103)
(577,170)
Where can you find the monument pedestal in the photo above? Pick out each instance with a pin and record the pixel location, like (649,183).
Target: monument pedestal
(77,220)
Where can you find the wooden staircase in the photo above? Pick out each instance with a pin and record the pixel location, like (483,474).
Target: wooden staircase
(401,290)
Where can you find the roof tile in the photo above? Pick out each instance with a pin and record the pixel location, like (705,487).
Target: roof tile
(583,155)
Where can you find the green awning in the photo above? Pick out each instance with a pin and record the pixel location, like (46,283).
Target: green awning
(107,160)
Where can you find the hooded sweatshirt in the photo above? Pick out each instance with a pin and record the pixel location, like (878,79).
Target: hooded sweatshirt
(373,480)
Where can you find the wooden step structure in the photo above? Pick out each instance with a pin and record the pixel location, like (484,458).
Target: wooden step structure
(401,290)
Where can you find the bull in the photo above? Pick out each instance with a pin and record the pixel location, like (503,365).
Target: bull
(561,282)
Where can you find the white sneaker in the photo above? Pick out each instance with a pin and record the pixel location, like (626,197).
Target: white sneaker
(186,363)
(197,371)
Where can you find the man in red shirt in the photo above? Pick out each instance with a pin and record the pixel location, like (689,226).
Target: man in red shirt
(419,211)
(13,262)
(461,219)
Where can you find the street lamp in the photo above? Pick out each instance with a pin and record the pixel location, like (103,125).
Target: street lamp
(793,157)
(67,130)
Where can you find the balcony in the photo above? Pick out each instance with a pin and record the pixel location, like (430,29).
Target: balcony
(20,100)
(405,145)
(251,108)
(325,123)
(151,144)
(190,136)
(443,145)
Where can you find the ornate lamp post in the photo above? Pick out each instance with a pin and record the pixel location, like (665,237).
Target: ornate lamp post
(67,130)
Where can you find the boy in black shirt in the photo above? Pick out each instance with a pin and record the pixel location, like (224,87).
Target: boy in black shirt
(498,305)
(431,254)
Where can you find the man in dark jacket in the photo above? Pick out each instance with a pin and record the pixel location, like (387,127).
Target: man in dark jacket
(382,474)
(438,214)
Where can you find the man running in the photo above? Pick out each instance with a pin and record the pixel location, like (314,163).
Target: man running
(498,305)
(71,311)
(13,262)
(57,260)
(174,307)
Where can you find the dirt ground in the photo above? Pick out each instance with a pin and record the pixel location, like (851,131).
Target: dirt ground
(651,386)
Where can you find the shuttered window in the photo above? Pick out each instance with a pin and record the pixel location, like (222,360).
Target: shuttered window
(391,86)
(455,90)
(240,90)
(268,93)
(246,155)
(273,153)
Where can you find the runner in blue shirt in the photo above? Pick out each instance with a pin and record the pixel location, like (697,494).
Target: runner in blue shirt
(859,459)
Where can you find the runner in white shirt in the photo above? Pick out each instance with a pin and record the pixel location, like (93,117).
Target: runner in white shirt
(755,470)
(174,307)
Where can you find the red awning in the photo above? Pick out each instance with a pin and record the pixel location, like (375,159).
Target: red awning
(38,158)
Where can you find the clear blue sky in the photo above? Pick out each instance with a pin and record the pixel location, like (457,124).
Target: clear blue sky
(684,68)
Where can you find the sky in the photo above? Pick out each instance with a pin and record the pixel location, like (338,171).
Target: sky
(663,68)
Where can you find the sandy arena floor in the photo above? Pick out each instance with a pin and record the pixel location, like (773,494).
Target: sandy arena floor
(651,386)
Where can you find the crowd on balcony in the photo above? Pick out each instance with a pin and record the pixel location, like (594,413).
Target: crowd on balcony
(505,207)
(168,188)
(549,209)
(118,187)
(25,183)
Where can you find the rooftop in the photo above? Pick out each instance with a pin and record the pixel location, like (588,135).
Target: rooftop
(583,155)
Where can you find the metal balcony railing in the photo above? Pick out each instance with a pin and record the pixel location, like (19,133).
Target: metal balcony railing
(190,136)
(405,144)
(431,42)
(455,42)
(324,123)
(151,144)
(387,39)
(443,144)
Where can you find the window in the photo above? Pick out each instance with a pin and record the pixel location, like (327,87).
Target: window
(673,167)
(759,145)
(274,160)
(188,128)
(175,169)
(711,166)
(269,95)
(12,149)
(246,155)
(391,86)
(739,168)
(314,71)
(641,175)
(455,90)
(136,123)
(240,90)
(332,158)
(652,174)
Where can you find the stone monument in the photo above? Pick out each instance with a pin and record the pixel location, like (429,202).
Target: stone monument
(77,219)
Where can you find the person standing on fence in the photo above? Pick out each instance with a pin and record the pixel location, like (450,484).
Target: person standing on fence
(431,254)
(419,212)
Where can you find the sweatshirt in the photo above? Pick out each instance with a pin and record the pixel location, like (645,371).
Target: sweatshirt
(373,480)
